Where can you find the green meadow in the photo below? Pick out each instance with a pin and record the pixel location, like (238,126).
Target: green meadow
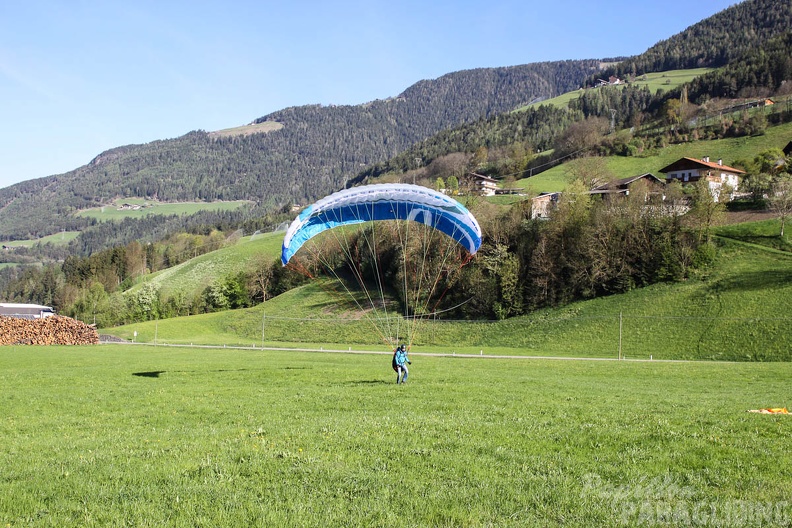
(63,237)
(765,233)
(737,309)
(122,435)
(114,212)
(664,81)
(730,150)
(669,80)
(192,276)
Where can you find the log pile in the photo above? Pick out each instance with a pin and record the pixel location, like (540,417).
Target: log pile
(56,330)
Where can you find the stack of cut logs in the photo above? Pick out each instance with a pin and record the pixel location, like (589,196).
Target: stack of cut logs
(55,330)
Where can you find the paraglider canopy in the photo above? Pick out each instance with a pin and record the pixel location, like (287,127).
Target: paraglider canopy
(384,202)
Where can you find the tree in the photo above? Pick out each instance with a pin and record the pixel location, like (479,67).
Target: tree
(759,184)
(447,165)
(215,296)
(780,200)
(672,111)
(675,203)
(503,265)
(581,136)
(452,184)
(480,157)
(590,171)
(705,211)
(143,304)
(771,161)
(261,277)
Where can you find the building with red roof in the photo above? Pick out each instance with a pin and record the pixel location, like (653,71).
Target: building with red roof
(691,170)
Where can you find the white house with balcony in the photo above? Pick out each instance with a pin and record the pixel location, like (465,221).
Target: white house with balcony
(691,170)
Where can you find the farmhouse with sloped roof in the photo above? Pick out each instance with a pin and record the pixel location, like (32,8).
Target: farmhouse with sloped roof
(622,186)
(691,170)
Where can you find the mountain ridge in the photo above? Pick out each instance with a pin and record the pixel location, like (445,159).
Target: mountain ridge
(316,151)
(319,148)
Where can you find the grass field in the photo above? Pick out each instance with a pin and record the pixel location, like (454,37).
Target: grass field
(194,275)
(766,233)
(670,79)
(246,130)
(63,237)
(112,212)
(121,435)
(737,309)
(729,150)
(654,81)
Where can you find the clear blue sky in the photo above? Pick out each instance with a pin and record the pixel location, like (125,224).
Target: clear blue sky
(78,77)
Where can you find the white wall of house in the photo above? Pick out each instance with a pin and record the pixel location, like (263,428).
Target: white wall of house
(716,180)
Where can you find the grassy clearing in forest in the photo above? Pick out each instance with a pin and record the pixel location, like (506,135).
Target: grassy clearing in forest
(663,81)
(145,436)
(116,212)
(191,277)
(61,238)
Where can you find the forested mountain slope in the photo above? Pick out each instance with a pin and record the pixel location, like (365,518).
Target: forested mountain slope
(315,152)
(713,42)
(764,70)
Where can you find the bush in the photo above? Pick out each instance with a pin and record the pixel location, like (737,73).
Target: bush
(704,255)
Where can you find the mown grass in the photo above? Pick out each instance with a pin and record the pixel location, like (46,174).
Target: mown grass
(737,309)
(112,213)
(664,81)
(61,238)
(246,130)
(669,80)
(766,233)
(730,150)
(192,276)
(145,436)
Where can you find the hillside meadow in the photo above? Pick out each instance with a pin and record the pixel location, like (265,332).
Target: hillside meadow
(61,238)
(117,211)
(735,309)
(655,81)
(191,277)
(730,150)
(116,435)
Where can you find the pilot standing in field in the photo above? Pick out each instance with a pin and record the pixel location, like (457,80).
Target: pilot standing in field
(399,363)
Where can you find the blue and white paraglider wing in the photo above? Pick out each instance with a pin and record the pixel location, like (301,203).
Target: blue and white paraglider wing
(384,202)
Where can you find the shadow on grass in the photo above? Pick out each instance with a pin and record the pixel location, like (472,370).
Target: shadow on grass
(771,241)
(754,281)
(152,374)
(156,373)
(370,382)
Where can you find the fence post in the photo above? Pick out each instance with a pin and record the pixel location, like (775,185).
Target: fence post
(263,319)
(620,335)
